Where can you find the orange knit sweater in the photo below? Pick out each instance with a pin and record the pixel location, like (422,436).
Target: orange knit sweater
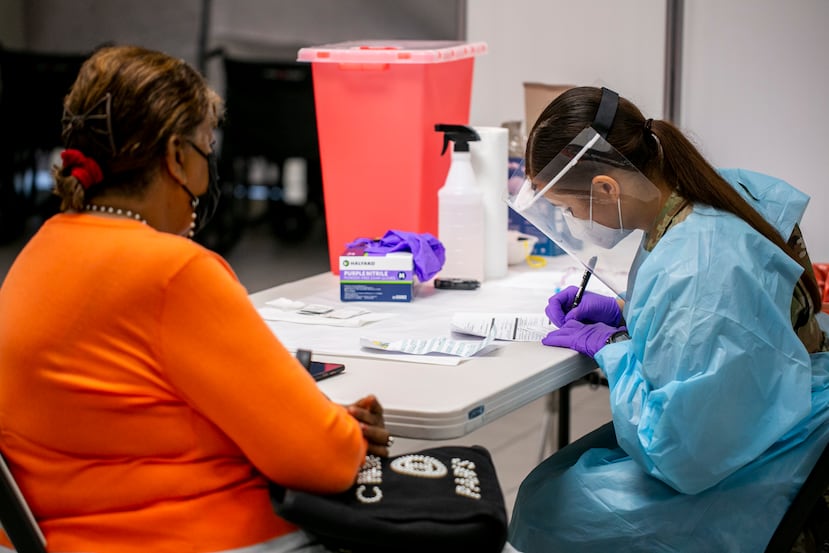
(144,402)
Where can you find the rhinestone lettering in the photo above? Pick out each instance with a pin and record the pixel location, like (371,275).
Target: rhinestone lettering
(421,466)
(378,494)
(370,473)
(466,479)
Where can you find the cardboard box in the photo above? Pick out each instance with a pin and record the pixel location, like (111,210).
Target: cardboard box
(537,96)
(387,277)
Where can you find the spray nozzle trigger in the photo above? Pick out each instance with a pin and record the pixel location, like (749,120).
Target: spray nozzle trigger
(461,135)
(445,144)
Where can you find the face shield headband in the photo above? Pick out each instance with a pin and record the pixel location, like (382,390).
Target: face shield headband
(587,201)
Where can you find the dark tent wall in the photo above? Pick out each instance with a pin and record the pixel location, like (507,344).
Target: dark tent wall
(79,25)
(271,121)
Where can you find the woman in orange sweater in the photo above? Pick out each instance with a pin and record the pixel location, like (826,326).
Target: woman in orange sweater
(144,404)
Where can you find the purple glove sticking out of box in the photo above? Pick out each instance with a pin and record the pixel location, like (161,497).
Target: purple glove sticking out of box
(428,253)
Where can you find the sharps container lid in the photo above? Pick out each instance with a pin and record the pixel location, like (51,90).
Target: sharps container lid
(390,51)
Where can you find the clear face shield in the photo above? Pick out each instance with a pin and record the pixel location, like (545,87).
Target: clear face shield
(592,202)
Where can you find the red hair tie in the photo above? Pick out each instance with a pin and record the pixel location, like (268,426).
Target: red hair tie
(83,168)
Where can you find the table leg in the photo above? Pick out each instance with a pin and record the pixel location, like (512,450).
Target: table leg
(548,437)
(563,416)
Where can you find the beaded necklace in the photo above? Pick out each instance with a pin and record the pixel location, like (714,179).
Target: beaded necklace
(115,211)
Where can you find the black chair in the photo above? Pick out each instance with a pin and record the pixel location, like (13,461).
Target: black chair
(808,512)
(17,519)
(32,88)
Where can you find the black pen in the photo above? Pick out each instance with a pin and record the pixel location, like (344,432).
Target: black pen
(584,280)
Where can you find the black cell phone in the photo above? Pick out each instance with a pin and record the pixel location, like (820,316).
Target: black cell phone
(457,284)
(320,370)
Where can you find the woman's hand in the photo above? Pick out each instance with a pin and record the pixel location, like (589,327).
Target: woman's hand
(584,338)
(594,308)
(369,413)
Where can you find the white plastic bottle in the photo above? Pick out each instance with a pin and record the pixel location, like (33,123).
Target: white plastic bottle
(489,161)
(461,213)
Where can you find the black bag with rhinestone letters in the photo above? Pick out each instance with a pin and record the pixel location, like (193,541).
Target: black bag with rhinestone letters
(443,499)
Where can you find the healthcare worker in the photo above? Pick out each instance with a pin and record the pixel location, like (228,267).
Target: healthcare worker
(716,361)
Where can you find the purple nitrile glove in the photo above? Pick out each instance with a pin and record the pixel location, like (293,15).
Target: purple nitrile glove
(593,308)
(584,338)
(428,253)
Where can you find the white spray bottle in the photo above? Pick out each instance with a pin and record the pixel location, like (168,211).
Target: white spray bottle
(461,214)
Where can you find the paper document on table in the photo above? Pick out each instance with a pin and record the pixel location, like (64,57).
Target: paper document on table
(438,344)
(516,327)
(552,281)
(284,309)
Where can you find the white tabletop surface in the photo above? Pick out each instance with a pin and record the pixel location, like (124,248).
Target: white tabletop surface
(430,401)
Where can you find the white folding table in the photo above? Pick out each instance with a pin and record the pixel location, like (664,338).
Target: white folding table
(429,401)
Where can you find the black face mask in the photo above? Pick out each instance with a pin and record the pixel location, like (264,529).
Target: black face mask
(205,205)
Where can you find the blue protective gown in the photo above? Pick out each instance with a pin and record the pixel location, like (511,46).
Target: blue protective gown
(718,410)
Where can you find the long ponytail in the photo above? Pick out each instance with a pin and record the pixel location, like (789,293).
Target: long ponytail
(684,168)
